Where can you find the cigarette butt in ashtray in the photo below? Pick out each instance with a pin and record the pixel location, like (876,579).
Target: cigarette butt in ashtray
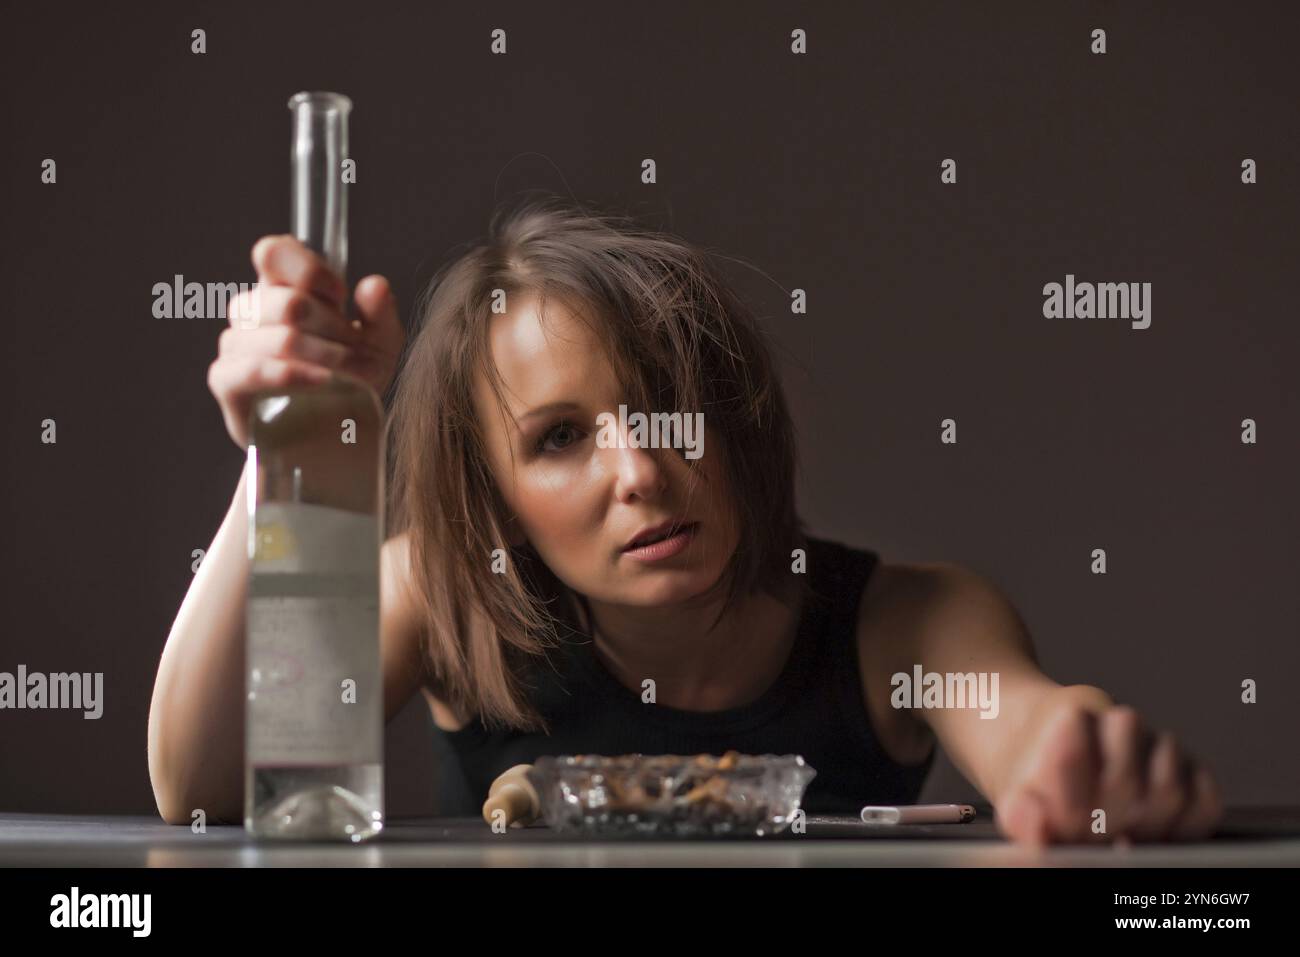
(515,795)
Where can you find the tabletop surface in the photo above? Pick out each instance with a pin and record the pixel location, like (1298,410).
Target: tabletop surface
(1248,837)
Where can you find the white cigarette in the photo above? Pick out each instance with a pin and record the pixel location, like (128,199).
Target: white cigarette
(919,814)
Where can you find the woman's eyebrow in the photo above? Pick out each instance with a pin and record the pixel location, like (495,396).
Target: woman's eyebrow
(549,409)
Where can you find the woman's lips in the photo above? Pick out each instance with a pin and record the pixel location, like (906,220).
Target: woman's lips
(667,548)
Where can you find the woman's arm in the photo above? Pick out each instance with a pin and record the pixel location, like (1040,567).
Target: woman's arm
(196,717)
(1051,756)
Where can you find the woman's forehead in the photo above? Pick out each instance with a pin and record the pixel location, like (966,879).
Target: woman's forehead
(527,333)
(543,356)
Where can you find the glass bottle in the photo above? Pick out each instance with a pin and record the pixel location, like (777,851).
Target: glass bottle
(314,710)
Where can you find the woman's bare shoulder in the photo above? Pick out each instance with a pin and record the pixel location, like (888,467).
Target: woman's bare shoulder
(903,603)
(890,613)
(401,638)
(443,716)
(910,591)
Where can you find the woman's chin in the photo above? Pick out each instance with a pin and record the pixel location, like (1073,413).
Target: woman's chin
(671,587)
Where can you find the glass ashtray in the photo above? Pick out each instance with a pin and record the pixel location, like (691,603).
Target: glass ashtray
(671,795)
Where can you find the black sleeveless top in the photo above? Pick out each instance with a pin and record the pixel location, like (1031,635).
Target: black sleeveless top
(814,708)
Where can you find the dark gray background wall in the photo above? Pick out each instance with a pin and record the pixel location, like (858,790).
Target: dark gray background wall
(822,171)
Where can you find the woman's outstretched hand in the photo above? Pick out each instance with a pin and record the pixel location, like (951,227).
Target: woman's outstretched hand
(1080,761)
(291,330)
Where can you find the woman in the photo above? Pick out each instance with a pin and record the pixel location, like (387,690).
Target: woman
(521,598)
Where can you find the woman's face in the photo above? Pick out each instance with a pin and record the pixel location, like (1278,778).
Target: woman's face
(579,504)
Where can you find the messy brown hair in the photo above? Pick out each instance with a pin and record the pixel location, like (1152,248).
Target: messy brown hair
(673,331)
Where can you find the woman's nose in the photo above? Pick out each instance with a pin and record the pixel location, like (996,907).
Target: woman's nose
(638,472)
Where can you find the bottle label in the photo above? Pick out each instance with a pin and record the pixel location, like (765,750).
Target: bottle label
(315,694)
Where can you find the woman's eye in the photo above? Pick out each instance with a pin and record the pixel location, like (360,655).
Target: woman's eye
(560,430)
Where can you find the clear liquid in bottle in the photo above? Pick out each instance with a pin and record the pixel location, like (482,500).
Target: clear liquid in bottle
(314,710)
